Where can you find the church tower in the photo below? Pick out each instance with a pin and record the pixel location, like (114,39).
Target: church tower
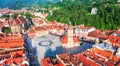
(97,41)
(70,36)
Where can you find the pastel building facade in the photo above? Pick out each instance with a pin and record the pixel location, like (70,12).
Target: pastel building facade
(69,40)
(83,31)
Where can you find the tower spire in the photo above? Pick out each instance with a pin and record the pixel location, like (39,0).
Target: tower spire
(97,41)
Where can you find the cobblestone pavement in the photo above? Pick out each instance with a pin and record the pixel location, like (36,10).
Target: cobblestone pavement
(55,47)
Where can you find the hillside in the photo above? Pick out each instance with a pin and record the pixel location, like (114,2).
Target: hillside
(107,17)
(23,3)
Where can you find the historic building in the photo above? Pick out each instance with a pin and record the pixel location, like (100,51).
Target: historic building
(69,40)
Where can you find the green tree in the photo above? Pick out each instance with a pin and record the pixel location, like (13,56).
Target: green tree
(6,16)
(107,16)
(27,15)
(14,16)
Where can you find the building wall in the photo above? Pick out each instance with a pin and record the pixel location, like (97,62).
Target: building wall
(70,38)
(15,29)
(83,32)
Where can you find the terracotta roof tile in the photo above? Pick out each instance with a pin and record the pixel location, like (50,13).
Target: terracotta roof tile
(51,62)
(64,39)
(94,33)
(114,39)
(15,22)
(22,19)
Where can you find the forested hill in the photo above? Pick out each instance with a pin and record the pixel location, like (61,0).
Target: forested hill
(18,4)
(107,17)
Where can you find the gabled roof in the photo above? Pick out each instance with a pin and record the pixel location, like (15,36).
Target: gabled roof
(51,62)
(40,28)
(117,32)
(114,39)
(11,45)
(103,36)
(17,53)
(94,33)
(15,22)
(22,19)
(15,61)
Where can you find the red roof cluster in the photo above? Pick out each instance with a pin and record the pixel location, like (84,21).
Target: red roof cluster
(90,57)
(11,41)
(18,21)
(114,40)
(100,34)
(117,32)
(9,11)
(12,50)
(51,62)
(94,33)
(53,27)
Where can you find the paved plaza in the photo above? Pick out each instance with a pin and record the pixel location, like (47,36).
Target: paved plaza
(51,45)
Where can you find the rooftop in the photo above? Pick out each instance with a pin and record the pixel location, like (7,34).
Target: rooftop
(94,33)
(114,40)
(90,57)
(12,51)
(64,39)
(51,62)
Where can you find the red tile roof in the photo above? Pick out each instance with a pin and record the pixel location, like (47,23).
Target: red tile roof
(103,36)
(64,39)
(65,56)
(48,62)
(105,54)
(22,19)
(114,39)
(117,32)
(40,28)
(91,57)
(24,65)
(17,53)
(81,26)
(13,56)
(17,60)
(15,22)
(14,60)
(94,33)
(54,23)
(11,39)
(11,45)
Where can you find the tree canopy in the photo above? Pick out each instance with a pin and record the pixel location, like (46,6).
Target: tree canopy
(107,16)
